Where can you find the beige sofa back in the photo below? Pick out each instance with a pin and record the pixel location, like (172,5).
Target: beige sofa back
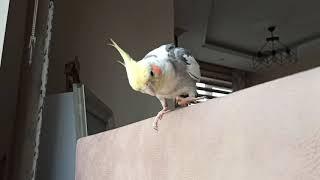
(267,132)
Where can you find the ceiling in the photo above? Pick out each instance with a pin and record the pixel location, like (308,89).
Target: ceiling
(228,32)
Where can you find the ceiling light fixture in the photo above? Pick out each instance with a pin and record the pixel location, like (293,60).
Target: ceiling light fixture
(273,51)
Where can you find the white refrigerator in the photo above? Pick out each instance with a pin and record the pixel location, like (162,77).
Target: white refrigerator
(67,117)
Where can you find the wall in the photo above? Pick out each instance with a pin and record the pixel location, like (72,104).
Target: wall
(309,57)
(83,29)
(10,71)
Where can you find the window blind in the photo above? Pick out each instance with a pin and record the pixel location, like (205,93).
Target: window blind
(216,81)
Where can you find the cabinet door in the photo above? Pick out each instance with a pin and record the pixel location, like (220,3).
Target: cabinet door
(99,115)
(80,110)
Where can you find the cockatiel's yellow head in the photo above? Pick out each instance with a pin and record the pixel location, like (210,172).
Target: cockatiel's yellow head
(138,74)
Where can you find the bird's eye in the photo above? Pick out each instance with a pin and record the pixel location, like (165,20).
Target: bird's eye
(151,73)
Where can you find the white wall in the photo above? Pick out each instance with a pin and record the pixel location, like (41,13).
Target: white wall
(83,30)
(309,57)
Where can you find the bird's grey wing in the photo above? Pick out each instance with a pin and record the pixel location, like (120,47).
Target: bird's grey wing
(178,56)
(184,56)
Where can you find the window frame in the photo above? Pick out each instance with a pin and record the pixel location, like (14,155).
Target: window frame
(4,9)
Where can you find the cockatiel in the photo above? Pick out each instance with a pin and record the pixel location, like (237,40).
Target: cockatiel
(167,72)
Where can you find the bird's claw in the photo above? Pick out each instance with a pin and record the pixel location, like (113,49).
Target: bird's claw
(187,101)
(155,122)
(155,126)
(158,118)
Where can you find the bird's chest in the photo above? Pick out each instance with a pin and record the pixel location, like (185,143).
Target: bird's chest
(171,83)
(172,87)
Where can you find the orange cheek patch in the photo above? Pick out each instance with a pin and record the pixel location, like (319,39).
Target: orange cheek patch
(156,69)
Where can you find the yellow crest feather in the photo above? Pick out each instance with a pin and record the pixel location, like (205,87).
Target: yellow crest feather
(136,72)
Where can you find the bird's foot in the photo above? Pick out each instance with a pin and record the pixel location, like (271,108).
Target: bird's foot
(158,118)
(188,100)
